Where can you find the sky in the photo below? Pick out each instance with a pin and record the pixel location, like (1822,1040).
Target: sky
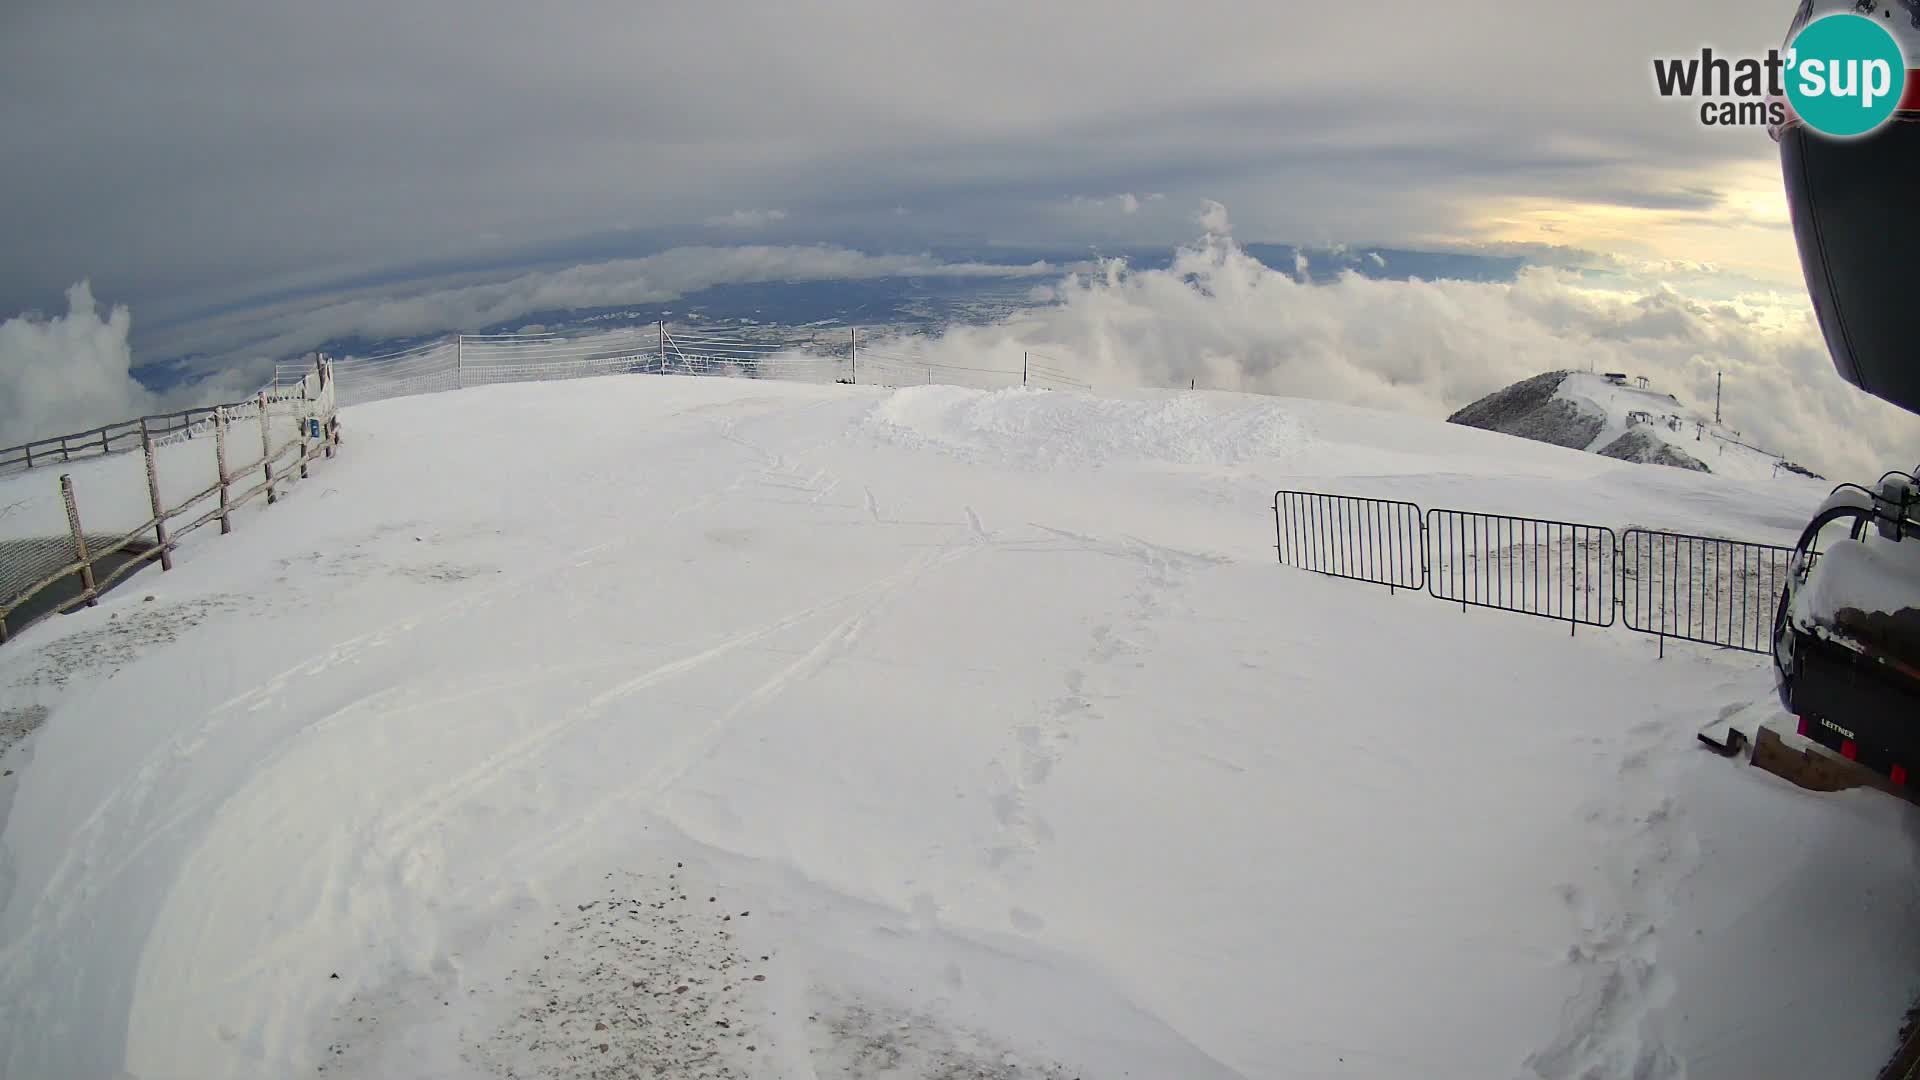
(230,178)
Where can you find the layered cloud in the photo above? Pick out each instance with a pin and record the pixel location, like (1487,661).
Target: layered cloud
(658,278)
(443,129)
(747,219)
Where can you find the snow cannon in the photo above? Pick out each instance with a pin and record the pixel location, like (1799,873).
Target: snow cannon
(1846,636)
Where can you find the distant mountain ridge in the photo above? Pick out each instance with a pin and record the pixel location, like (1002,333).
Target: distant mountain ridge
(1610,416)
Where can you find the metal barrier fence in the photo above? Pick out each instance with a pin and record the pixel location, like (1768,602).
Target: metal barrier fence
(1702,588)
(1669,585)
(1375,540)
(1553,569)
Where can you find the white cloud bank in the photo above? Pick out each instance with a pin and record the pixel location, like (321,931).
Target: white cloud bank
(67,372)
(1221,318)
(1215,315)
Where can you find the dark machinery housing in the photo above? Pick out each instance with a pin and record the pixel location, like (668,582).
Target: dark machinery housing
(1847,632)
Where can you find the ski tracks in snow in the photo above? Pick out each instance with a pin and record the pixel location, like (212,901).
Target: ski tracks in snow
(1611,1029)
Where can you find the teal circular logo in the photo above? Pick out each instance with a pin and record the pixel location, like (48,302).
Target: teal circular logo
(1845,75)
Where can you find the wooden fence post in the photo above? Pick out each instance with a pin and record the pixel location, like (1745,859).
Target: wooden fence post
(79,540)
(63,450)
(29,449)
(220,459)
(106,447)
(153,494)
(266,447)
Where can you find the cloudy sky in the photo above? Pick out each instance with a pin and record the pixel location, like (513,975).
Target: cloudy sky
(218,164)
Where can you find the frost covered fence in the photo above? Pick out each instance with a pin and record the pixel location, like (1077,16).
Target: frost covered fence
(847,355)
(63,544)
(1710,590)
(107,439)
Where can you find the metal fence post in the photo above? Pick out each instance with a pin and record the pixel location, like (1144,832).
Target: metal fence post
(220,460)
(266,447)
(1023,369)
(79,540)
(29,449)
(457,377)
(853,355)
(153,495)
(661,330)
(105,446)
(63,450)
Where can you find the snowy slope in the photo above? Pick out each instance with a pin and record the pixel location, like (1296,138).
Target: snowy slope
(738,728)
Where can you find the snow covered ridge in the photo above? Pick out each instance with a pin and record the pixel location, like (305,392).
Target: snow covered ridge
(761,729)
(1615,417)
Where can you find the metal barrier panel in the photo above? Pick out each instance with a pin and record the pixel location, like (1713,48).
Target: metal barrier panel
(1701,588)
(1376,540)
(1553,569)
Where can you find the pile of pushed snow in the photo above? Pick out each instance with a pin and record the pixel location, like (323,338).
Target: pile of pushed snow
(1053,428)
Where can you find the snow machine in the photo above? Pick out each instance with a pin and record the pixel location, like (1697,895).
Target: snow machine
(1846,635)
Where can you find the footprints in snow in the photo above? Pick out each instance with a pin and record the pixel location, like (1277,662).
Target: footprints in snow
(1041,743)
(1610,1026)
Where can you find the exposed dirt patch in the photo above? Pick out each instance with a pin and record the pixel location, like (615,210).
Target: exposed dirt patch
(127,634)
(644,980)
(861,1041)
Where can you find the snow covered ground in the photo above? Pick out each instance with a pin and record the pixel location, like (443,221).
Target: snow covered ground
(705,727)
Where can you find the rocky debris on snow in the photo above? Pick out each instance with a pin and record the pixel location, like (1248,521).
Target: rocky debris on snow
(18,723)
(639,982)
(864,1040)
(1530,410)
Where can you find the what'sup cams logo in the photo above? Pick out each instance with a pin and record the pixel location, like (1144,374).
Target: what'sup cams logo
(1842,73)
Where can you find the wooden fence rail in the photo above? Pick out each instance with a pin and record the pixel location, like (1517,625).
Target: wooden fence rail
(275,464)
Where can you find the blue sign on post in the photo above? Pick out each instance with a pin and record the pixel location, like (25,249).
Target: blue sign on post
(313,427)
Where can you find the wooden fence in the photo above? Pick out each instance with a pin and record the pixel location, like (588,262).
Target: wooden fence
(310,403)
